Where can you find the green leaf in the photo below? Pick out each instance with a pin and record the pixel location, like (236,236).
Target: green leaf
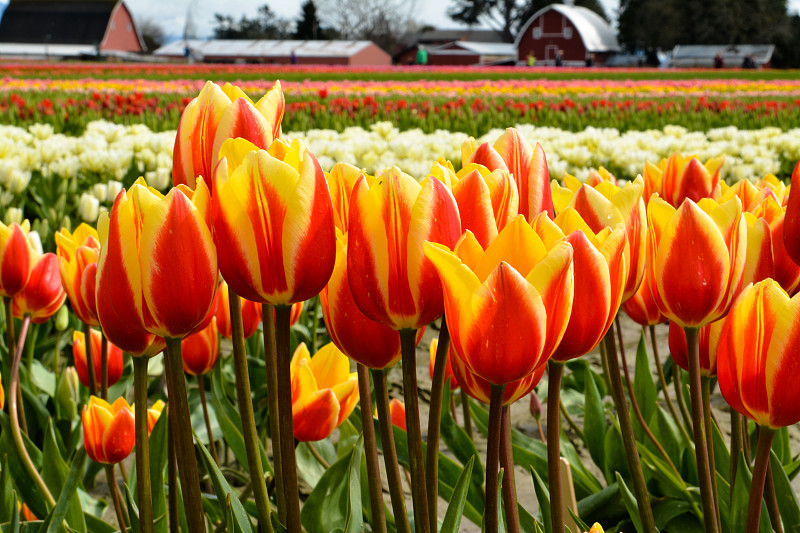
(741,498)
(543,496)
(43,379)
(25,486)
(582,526)
(787,501)
(98,525)
(644,388)
(594,423)
(59,513)
(630,503)
(54,474)
(615,460)
(224,493)
(336,501)
(457,440)
(7,501)
(666,510)
(159,454)
(527,523)
(455,509)
(133,509)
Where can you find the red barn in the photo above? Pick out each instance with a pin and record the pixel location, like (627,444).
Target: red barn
(67,28)
(578,32)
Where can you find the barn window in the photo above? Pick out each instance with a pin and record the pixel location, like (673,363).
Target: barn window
(537,32)
(567,33)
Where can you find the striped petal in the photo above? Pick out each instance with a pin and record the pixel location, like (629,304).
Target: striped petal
(347,395)
(43,295)
(119,437)
(475,206)
(791,227)
(271,106)
(759,262)
(553,278)
(242,120)
(315,415)
(330,366)
(341,180)
(15,259)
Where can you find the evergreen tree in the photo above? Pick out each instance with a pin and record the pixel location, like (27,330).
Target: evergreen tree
(308,27)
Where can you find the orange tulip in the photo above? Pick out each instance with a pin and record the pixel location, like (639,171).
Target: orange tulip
(251,314)
(115,362)
(709,342)
(757,362)
(28,514)
(324,392)
(153,414)
(217,114)
(687,177)
(653,179)
(342,180)
(601,175)
(365,341)
(77,261)
(391,218)
(791,224)
(448,369)
(108,430)
(641,307)
(607,205)
(157,272)
(507,307)
(526,164)
(785,271)
(273,222)
(600,262)
(15,258)
(2,396)
(480,389)
(487,201)
(200,350)
(697,257)
(43,294)
(397,410)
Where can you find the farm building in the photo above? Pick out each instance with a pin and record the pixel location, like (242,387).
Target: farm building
(36,29)
(431,39)
(472,53)
(733,56)
(576,32)
(282,52)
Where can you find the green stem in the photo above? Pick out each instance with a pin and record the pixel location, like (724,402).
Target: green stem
(30,348)
(244,400)
(143,487)
(700,446)
(554,372)
(509,484)
(493,457)
(212,446)
(772,501)
(184,443)
(434,424)
(705,384)
(116,499)
(466,413)
(289,472)
(419,492)
(270,364)
(371,451)
(736,446)
(381,381)
(10,341)
(16,435)
(103,367)
(759,476)
(87,344)
(628,439)
(663,382)
(321,460)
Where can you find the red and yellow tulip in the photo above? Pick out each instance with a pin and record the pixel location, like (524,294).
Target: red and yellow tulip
(15,258)
(480,389)
(78,253)
(251,313)
(220,113)
(791,224)
(448,369)
(784,270)
(507,307)
(2,396)
(342,180)
(641,307)
(108,430)
(200,350)
(697,257)
(43,294)
(157,272)
(153,414)
(273,222)
(526,164)
(324,392)
(709,342)
(686,177)
(397,411)
(757,361)
(115,361)
(391,218)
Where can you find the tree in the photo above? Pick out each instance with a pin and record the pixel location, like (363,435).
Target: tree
(266,25)
(308,26)
(152,34)
(382,21)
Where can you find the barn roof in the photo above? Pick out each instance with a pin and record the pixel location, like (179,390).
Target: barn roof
(57,22)
(263,47)
(702,55)
(596,33)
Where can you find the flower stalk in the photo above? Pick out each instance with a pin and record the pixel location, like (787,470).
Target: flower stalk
(554,372)
(705,385)
(87,335)
(270,364)
(434,424)
(509,483)
(765,437)
(212,446)
(143,485)
(371,451)
(103,365)
(493,457)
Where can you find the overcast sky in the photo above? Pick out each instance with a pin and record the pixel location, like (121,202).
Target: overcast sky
(172,14)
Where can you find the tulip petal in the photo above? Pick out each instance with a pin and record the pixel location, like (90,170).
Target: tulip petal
(518,245)
(553,278)
(315,415)
(330,366)
(347,395)
(119,437)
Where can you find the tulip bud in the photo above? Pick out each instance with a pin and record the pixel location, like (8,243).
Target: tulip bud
(13,215)
(68,394)
(62,319)
(89,207)
(536,406)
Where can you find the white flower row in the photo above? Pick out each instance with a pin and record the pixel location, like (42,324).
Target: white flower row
(105,153)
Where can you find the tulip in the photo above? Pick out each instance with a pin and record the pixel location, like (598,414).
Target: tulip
(687,177)
(653,179)
(697,256)
(78,253)
(324,392)
(2,396)
(398,411)
(217,114)
(115,361)
(480,389)
(68,394)
(28,514)
(43,294)
(108,430)
(641,307)
(16,258)
(791,227)
(709,342)
(601,175)
(757,365)
(251,314)
(342,180)
(527,166)
(606,204)
(157,272)
(153,414)
(200,350)
(273,222)
(784,270)
(448,370)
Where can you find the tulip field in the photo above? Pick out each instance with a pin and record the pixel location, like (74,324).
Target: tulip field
(395,300)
